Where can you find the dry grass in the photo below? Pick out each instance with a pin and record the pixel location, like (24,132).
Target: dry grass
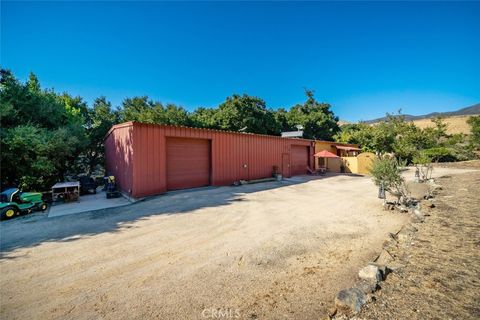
(456,124)
(471,164)
(440,278)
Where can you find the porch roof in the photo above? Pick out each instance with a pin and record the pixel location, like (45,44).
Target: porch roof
(347,148)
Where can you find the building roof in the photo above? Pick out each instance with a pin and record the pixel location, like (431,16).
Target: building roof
(335,144)
(134,123)
(348,148)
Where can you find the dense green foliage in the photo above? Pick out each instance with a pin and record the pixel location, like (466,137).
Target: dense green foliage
(246,113)
(42,133)
(98,121)
(386,173)
(316,118)
(142,109)
(406,141)
(46,135)
(474,123)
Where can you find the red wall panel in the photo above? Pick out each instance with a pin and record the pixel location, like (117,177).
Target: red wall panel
(299,159)
(234,156)
(188,163)
(119,156)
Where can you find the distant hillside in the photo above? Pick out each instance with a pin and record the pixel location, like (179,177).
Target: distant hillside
(455,124)
(468,111)
(343,122)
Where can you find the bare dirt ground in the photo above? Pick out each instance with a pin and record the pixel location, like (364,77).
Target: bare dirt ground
(472,164)
(440,277)
(268,251)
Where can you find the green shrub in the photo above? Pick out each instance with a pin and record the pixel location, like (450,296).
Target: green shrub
(474,122)
(386,173)
(439,154)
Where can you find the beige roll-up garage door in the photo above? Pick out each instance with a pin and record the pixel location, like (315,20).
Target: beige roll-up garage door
(188,163)
(299,160)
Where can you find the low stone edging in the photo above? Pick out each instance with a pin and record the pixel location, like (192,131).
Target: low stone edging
(349,302)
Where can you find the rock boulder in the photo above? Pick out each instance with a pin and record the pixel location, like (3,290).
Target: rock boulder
(370,273)
(350,300)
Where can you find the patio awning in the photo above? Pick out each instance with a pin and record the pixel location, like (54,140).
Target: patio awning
(347,148)
(325,154)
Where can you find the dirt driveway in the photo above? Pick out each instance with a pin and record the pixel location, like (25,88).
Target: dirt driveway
(272,250)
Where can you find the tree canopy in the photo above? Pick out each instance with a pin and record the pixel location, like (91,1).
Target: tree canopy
(246,113)
(42,132)
(317,119)
(406,141)
(47,135)
(474,123)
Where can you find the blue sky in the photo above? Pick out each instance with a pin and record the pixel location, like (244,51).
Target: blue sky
(363,58)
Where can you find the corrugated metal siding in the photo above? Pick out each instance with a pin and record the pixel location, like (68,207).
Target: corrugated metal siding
(119,156)
(285,165)
(149,161)
(188,163)
(299,159)
(234,156)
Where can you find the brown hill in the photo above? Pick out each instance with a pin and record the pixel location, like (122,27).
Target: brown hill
(456,120)
(468,111)
(455,124)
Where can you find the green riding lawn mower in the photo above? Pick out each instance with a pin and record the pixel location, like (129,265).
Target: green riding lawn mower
(14,202)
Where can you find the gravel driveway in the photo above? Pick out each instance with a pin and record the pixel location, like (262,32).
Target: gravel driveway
(271,250)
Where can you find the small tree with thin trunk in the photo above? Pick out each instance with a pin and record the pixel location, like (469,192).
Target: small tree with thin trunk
(386,174)
(424,166)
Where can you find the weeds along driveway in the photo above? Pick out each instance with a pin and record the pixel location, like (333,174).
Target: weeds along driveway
(267,250)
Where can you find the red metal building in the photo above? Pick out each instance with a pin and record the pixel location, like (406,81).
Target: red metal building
(149,159)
